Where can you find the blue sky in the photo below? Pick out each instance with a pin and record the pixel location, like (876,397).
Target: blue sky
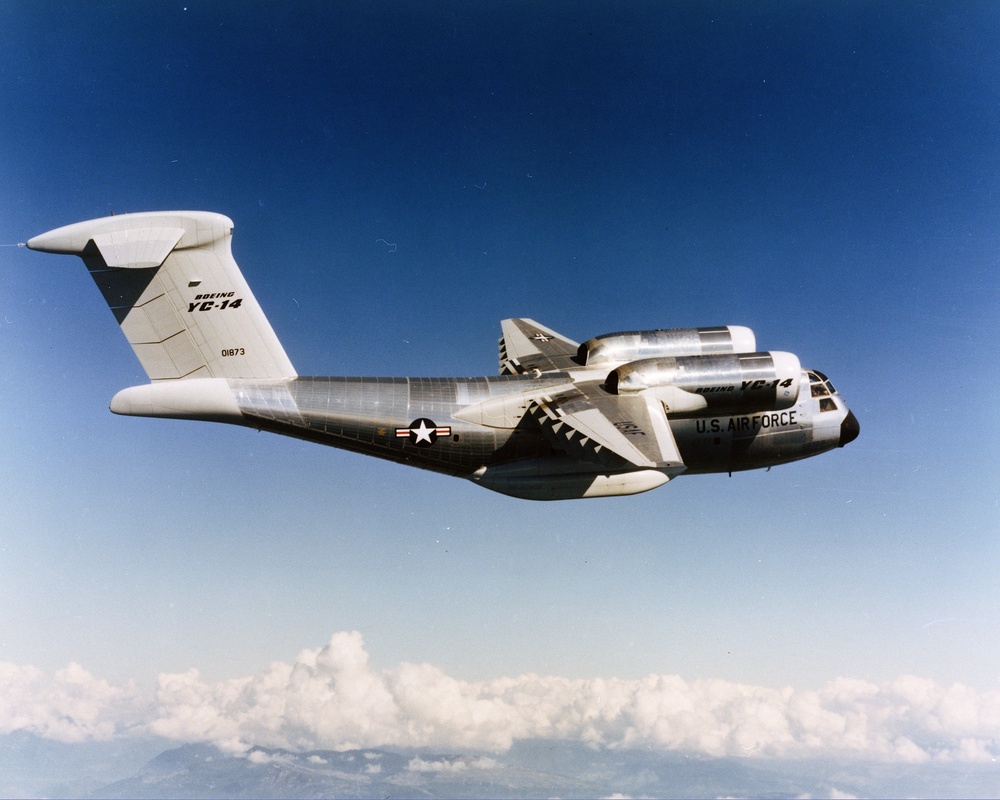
(825,175)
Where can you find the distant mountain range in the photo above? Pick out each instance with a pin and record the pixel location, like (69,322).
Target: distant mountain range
(34,767)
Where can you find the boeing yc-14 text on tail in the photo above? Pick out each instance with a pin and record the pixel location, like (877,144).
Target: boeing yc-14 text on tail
(619,414)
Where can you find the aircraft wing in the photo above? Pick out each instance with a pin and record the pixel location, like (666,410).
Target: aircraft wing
(526,346)
(590,423)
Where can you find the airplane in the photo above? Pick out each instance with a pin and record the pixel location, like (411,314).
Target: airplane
(619,414)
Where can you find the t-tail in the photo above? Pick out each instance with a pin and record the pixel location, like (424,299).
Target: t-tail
(171,281)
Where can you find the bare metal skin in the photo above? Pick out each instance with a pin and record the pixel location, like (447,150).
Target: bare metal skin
(619,414)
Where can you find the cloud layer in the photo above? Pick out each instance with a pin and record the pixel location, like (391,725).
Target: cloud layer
(331,698)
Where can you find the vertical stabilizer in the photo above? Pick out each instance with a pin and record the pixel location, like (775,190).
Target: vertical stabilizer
(178,294)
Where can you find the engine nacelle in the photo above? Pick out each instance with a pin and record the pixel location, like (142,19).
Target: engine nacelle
(726,384)
(635,345)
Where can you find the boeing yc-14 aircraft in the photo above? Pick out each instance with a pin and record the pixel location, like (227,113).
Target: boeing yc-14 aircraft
(620,414)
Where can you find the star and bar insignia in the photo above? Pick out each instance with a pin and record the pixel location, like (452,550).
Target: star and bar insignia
(423,432)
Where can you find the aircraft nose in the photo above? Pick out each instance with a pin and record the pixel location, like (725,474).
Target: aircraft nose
(849,429)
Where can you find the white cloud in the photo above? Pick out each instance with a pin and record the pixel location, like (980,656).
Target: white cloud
(451,764)
(70,706)
(331,698)
(260,757)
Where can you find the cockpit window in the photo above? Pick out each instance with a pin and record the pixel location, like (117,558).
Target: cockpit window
(818,381)
(826,404)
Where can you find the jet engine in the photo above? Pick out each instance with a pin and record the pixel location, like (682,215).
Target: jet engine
(634,345)
(733,383)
